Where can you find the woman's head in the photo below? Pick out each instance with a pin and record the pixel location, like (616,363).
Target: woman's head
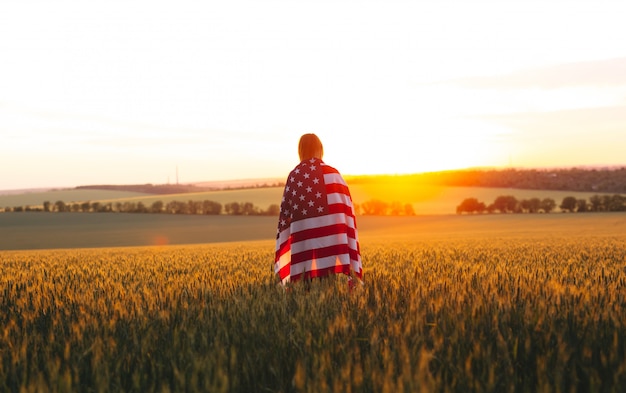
(309,147)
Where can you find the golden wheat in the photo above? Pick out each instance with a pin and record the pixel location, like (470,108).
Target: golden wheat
(474,315)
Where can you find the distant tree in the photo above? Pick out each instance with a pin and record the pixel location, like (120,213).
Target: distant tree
(505,204)
(194,207)
(178,207)
(156,207)
(582,206)
(273,210)
(396,208)
(141,208)
(547,205)
(233,208)
(46,206)
(248,209)
(596,203)
(374,207)
(60,206)
(471,205)
(95,207)
(211,207)
(568,204)
(75,207)
(530,205)
(535,205)
(409,210)
(615,203)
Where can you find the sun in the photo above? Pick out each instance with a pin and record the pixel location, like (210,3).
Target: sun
(446,145)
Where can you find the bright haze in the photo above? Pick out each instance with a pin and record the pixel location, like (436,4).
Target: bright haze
(124,92)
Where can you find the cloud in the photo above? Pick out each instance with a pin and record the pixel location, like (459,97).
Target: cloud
(601,73)
(607,123)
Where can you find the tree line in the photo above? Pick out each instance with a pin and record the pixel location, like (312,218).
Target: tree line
(574,179)
(376,207)
(205,207)
(510,204)
(372,207)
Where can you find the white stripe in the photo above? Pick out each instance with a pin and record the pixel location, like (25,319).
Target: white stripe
(322,221)
(317,222)
(283,236)
(319,242)
(333,178)
(337,197)
(283,261)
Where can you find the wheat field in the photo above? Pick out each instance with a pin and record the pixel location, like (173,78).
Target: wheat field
(514,315)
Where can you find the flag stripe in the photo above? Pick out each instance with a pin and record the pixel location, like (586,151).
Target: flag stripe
(320,232)
(316,236)
(303,255)
(337,188)
(318,267)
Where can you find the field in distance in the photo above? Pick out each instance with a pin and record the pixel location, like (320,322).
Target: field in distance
(36,230)
(425,199)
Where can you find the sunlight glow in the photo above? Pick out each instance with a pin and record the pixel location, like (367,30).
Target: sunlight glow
(125,93)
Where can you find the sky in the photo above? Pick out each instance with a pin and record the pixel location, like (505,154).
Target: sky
(127,92)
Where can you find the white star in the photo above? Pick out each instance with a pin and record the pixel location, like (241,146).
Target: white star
(306,175)
(311,203)
(304,212)
(283,223)
(316,181)
(309,189)
(300,184)
(318,195)
(312,167)
(320,209)
(297,171)
(302,197)
(287,189)
(292,179)
(294,193)
(295,207)
(312,160)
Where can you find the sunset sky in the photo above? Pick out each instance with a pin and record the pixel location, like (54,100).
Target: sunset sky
(123,92)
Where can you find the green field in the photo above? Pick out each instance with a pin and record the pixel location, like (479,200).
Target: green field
(494,303)
(37,230)
(425,199)
(67,196)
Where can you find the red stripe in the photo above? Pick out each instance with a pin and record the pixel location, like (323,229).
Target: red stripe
(286,246)
(340,208)
(323,252)
(285,271)
(327,169)
(333,188)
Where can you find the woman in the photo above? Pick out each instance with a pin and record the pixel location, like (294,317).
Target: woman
(317,234)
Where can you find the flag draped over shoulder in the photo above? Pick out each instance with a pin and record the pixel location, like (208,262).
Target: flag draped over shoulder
(317,233)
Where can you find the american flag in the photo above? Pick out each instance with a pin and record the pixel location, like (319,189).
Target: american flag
(317,233)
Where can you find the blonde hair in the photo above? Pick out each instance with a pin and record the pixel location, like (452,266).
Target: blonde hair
(310,146)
